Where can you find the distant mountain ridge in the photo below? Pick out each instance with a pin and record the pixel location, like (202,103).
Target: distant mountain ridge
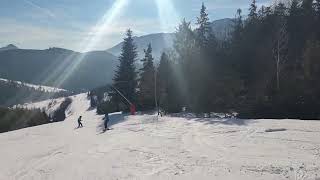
(9,47)
(159,42)
(96,68)
(76,71)
(162,41)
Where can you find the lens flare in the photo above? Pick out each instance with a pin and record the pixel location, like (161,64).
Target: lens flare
(70,63)
(101,27)
(94,37)
(168,18)
(168,15)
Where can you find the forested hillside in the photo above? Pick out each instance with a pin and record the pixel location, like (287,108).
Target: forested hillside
(163,41)
(13,119)
(13,93)
(268,68)
(58,67)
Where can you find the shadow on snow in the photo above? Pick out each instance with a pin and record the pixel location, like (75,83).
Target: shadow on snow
(114,118)
(214,120)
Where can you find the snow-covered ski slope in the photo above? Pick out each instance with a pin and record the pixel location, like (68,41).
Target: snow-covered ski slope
(142,147)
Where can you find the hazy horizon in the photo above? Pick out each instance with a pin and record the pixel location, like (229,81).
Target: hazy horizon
(36,24)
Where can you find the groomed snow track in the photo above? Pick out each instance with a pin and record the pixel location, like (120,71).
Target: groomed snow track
(144,147)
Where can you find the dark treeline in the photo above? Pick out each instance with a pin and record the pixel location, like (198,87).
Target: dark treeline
(18,118)
(13,119)
(13,93)
(268,67)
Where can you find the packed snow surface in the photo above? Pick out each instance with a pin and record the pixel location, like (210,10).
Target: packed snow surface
(147,147)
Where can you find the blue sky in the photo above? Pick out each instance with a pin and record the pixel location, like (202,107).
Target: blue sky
(39,24)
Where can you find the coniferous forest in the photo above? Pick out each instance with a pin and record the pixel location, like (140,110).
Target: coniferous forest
(267,67)
(13,93)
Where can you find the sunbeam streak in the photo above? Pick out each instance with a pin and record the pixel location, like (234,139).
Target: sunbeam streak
(168,16)
(70,63)
(95,36)
(101,27)
(169,19)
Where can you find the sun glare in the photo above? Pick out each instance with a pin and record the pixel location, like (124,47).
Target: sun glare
(168,15)
(88,44)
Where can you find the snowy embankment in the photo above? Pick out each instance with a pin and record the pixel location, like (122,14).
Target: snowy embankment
(144,147)
(49,106)
(37,87)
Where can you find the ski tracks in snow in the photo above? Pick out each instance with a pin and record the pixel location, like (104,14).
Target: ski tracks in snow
(35,168)
(146,147)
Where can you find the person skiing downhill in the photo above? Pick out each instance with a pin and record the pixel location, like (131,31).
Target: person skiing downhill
(79,122)
(106,120)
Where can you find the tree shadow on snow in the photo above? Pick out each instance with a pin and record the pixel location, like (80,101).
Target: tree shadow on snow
(225,121)
(215,120)
(114,118)
(91,108)
(151,112)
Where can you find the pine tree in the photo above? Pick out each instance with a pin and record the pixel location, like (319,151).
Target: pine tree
(163,82)
(280,50)
(188,55)
(307,6)
(147,81)
(204,30)
(295,34)
(238,28)
(317,7)
(168,86)
(280,10)
(253,11)
(312,64)
(280,47)
(308,18)
(184,42)
(204,63)
(126,75)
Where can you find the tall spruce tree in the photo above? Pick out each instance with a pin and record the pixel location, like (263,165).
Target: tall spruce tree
(317,6)
(163,80)
(147,81)
(317,9)
(188,55)
(295,30)
(204,30)
(280,48)
(204,63)
(168,85)
(236,36)
(308,19)
(125,79)
(253,15)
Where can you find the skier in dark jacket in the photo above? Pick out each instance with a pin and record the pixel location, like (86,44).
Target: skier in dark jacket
(106,120)
(79,122)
